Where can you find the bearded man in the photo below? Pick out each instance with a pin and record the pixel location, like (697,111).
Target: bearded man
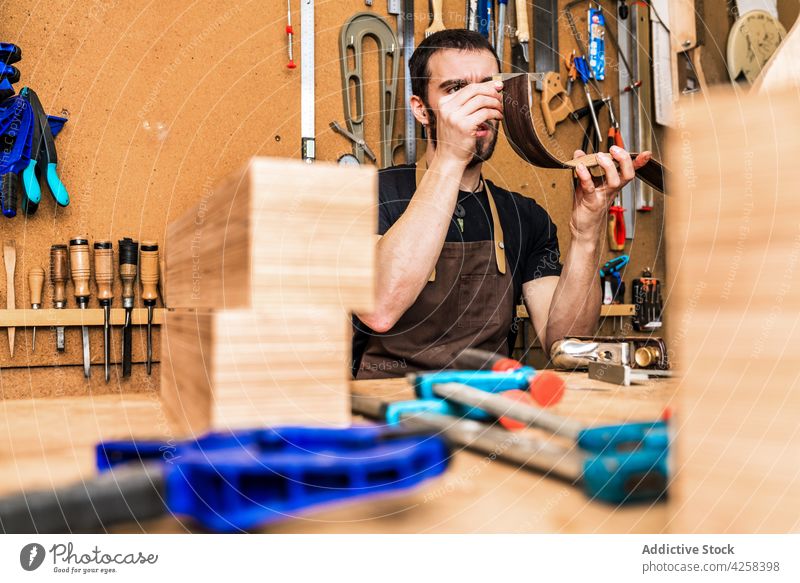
(456,251)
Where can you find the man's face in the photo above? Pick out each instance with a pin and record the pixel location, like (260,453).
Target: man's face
(452,70)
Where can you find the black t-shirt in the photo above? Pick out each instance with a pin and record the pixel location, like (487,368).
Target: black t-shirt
(529,235)
(530,239)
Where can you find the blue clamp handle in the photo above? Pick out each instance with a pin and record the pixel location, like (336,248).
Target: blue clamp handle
(240,480)
(624,438)
(637,476)
(395,411)
(626,462)
(485,380)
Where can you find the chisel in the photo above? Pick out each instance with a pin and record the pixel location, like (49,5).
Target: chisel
(523,31)
(149,279)
(58,278)
(104,278)
(128,265)
(79,264)
(35,282)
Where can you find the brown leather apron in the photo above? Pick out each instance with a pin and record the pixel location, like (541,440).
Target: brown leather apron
(468,302)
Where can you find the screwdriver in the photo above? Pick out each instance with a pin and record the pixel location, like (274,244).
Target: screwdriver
(104,278)
(149,279)
(58,277)
(35,282)
(128,264)
(80,268)
(616,221)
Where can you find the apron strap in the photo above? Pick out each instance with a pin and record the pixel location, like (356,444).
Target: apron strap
(499,242)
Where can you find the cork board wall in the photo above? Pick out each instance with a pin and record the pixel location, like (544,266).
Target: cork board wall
(165,98)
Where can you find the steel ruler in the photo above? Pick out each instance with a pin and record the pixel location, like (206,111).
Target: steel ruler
(408,50)
(643,129)
(628,108)
(307,111)
(662,67)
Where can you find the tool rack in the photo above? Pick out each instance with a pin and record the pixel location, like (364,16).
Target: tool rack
(74,317)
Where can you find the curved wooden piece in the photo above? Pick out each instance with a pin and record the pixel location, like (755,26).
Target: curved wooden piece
(531,142)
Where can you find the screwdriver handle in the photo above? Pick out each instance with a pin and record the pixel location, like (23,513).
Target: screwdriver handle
(80,266)
(10,187)
(128,265)
(104,270)
(149,272)
(59,273)
(36,282)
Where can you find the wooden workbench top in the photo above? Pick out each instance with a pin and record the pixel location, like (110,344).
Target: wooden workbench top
(476,494)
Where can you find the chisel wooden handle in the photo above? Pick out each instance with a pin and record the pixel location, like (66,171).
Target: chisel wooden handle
(36,282)
(80,267)
(149,272)
(523,31)
(104,269)
(128,266)
(59,273)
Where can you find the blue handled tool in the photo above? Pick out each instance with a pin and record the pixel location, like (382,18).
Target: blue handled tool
(9,72)
(611,279)
(233,481)
(615,464)
(545,387)
(483,16)
(43,159)
(15,123)
(10,53)
(583,71)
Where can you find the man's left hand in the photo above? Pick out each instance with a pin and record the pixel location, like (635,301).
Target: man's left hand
(593,196)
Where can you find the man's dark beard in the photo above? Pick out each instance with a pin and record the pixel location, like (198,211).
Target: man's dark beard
(482,154)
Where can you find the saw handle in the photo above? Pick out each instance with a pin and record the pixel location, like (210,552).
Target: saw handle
(556,104)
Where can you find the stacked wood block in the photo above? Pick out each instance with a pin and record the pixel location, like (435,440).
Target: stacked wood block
(262,275)
(734,258)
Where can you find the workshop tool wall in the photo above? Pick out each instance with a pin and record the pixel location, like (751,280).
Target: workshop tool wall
(165,99)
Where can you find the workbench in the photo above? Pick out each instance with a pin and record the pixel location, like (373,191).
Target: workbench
(475,495)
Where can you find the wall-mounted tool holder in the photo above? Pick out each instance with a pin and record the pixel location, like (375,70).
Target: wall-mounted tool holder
(74,317)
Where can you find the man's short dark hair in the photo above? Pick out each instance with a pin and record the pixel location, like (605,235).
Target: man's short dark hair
(452,38)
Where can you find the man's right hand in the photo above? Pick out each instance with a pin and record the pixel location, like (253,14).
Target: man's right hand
(462,117)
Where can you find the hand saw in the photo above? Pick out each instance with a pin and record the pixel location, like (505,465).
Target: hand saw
(556,104)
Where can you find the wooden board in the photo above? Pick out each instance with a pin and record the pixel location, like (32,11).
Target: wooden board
(279,233)
(734,248)
(241,368)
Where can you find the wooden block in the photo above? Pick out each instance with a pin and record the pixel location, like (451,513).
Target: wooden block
(233,369)
(734,263)
(279,232)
